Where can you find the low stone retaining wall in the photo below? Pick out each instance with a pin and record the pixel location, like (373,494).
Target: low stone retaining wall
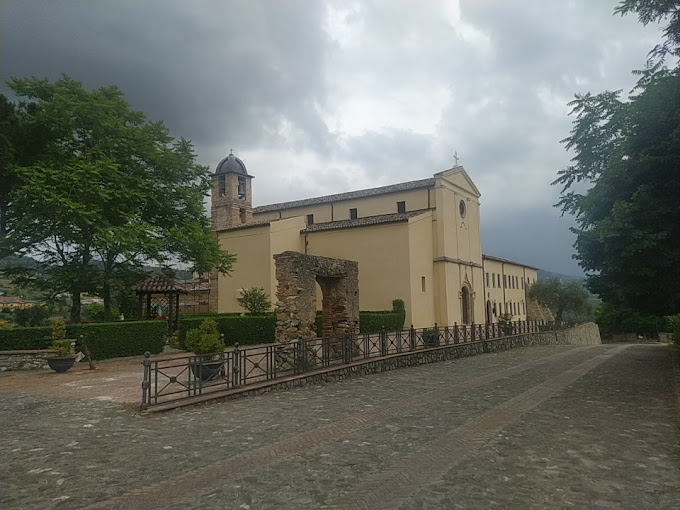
(24,360)
(582,334)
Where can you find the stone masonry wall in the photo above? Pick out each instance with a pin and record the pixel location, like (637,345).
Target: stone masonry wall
(23,360)
(297,275)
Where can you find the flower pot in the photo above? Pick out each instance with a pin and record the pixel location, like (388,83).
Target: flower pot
(206,370)
(60,365)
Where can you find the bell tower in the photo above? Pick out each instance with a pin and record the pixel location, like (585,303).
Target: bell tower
(232,198)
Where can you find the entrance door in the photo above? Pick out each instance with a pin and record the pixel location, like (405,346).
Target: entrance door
(465,302)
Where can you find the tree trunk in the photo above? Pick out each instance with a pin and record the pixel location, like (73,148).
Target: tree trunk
(106,288)
(106,296)
(75,305)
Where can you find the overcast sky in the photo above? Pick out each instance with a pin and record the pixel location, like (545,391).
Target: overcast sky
(325,97)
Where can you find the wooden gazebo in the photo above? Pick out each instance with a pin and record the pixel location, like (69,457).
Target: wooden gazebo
(158,299)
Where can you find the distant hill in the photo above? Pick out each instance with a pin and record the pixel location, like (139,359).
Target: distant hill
(543,274)
(28,262)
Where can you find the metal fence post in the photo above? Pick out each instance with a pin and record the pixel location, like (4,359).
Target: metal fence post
(412,338)
(436,335)
(455,333)
(383,341)
(346,347)
(146,382)
(472,332)
(236,379)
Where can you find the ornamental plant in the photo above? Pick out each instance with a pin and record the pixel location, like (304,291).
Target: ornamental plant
(59,341)
(205,339)
(255,300)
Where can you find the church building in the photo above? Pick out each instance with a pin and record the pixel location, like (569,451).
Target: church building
(419,241)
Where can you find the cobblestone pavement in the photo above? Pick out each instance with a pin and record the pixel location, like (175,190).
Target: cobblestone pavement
(542,427)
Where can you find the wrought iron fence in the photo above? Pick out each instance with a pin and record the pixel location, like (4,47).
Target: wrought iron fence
(169,379)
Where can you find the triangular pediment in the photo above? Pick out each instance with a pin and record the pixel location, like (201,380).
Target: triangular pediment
(459,178)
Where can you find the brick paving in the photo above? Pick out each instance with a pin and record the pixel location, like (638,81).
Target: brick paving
(543,427)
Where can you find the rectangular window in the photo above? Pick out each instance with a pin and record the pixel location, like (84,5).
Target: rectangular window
(401,207)
(422,283)
(505,281)
(487,280)
(353,214)
(493,279)
(310,219)
(522,283)
(523,308)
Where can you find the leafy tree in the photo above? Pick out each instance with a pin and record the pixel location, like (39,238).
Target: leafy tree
(627,157)
(106,192)
(562,298)
(255,300)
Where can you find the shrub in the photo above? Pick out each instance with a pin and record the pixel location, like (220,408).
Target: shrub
(254,300)
(94,312)
(33,316)
(63,348)
(58,330)
(205,339)
(398,306)
(246,330)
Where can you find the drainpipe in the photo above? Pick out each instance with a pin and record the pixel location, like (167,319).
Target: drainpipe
(503,273)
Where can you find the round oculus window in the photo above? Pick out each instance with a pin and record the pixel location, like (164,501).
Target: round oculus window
(461,208)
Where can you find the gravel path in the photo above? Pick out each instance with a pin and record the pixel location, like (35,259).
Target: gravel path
(542,427)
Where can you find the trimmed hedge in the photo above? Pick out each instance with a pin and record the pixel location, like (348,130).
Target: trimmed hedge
(19,339)
(261,329)
(117,339)
(373,322)
(244,329)
(105,340)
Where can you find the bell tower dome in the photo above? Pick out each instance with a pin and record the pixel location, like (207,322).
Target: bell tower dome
(232,199)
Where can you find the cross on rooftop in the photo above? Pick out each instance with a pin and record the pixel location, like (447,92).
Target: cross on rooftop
(455,157)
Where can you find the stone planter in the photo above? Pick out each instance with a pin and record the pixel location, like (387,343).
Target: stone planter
(60,365)
(206,370)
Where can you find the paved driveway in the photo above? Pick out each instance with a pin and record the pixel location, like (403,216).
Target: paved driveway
(543,427)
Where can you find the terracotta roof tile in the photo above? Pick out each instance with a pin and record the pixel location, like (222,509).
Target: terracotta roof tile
(362,222)
(393,188)
(158,283)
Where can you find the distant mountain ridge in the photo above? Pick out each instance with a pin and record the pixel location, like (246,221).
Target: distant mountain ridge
(543,275)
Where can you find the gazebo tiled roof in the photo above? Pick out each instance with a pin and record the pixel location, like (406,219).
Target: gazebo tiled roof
(158,284)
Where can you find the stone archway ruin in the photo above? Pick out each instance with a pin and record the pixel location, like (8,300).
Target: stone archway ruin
(297,275)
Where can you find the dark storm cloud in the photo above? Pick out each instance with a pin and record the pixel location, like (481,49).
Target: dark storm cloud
(328,97)
(215,72)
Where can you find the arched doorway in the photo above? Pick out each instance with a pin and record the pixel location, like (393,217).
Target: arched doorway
(466,305)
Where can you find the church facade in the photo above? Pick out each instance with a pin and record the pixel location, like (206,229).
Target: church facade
(419,241)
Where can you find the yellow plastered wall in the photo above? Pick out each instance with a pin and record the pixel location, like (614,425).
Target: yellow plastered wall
(420,308)
(255,248)
(382,252)
(252,267)
(368,206)
(509,294)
